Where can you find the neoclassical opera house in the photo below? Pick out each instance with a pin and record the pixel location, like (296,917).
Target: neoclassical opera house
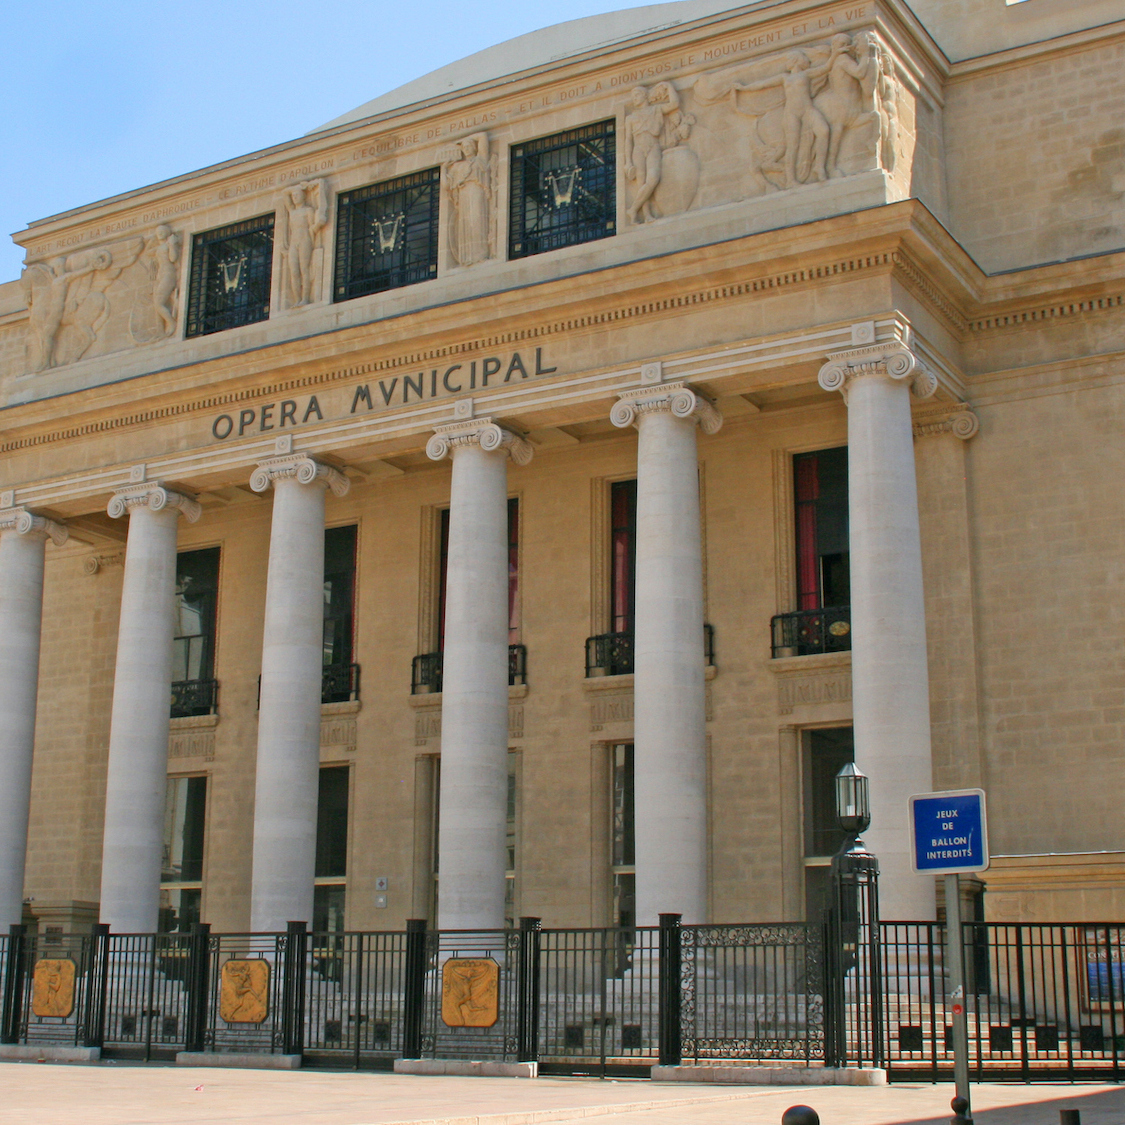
(521,495)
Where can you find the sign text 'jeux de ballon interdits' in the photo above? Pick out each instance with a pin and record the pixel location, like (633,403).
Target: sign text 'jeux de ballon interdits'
(397,390)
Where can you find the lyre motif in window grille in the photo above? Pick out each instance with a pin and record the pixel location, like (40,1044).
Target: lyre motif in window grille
(388,231)
(232,272)
(562,183)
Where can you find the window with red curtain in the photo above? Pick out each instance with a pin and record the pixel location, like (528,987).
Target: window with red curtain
(623,522)
(820,483)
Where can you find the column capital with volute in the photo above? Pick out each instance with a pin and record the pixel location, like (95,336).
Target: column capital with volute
(677,399)
(485,432)
(302,468)
(154,496)
(25,522)
(890,360)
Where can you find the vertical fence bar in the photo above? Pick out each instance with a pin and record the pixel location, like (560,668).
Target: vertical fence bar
(197,985)
(13,984)
(527,997)
(97,984)
(414,990)
(293,988)
(669,990)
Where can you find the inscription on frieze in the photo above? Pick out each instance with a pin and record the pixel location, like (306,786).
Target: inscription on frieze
(611,709)
(829,687)
(338,733)
(192,744)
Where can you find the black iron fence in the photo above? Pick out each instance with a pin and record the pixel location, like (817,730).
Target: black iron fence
(611,654)
(1044,1002)
(194,697)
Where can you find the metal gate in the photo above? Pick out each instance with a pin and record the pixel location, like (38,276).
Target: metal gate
(1043,1002)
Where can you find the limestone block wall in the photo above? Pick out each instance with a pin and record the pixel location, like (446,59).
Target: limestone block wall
(1035,157)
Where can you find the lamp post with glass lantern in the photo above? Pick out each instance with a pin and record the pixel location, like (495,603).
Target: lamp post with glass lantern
(852,930)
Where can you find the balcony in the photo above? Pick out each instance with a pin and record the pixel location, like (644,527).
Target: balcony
(811,631)
(339,683)
(611,654)
(425,670)
(194,697)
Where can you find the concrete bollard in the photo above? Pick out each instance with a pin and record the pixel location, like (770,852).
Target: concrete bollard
(1070,1117)
(959,1106)
(800,1115)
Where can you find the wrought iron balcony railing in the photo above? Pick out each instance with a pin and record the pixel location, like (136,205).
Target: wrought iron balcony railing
(340,683)
(611,654)
(811,631)
(194,697)
(425,670)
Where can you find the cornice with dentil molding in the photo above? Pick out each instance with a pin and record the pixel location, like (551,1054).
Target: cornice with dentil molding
(677,399)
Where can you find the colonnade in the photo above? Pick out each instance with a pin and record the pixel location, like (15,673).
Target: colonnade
(890,681)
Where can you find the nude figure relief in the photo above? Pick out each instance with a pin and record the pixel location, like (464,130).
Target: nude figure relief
(303,219)
(67,300)
(467,182)
(817,112)
(155,308)
(664,172)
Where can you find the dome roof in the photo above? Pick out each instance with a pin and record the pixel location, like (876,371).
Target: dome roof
(537,48)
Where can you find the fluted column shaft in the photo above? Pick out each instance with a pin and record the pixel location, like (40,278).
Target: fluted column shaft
(472,845)
(23,539)
(138,738)
(670,742)
(890,675)
(286,781)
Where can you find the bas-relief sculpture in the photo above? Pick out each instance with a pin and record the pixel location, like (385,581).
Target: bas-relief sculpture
(244,991)
(817,112)
(155,310)
(302,220)
(52,988)
(470,992)
(662,169)
(467,181)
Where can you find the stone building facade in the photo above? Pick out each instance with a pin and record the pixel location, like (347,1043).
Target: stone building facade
(694,397)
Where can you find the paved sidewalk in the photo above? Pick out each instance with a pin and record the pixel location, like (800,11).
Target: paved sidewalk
(124,1094)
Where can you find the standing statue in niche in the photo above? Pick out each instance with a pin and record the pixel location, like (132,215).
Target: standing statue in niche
(665,171)
(821,111)
(467,177)
(154,313)
(306,216)
(67,303)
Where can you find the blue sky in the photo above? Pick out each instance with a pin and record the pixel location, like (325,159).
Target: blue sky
(98,98)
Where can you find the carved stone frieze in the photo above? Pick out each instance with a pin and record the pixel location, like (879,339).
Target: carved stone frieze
(816,112)
(467,180)
(301,221)
(192,737)
(427,715)
(816,681)
(156,308)
(664,172)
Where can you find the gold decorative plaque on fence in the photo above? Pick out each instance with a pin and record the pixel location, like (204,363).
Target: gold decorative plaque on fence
(244,991)
(470,992)
(52,988)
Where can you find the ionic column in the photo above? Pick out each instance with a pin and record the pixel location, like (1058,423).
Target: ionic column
(670,745)
(474,707)
(890,676)
(138,735)
(23,539)
(286,781)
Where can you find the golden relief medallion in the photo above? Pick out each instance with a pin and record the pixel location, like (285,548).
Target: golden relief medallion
(52,992)
(470,992)
(244,991)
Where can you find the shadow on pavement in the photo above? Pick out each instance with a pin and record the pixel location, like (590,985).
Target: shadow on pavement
(1106,1107)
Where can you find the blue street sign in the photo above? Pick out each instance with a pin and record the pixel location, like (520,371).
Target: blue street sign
(950,832)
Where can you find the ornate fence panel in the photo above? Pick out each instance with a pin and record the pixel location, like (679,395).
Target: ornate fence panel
(598,999)
(471,993)
(246,993)
(354,998)
(56,990)
(752,993)
(146,996)
(1043,1002)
